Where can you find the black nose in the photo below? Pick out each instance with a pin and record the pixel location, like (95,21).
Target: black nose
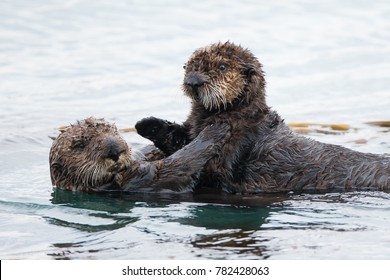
(194,81)
(115,149)
(115,152)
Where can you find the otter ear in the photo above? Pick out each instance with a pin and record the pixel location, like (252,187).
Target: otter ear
(62,128)
(55,171)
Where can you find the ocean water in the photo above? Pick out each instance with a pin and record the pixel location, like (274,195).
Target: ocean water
(122,60)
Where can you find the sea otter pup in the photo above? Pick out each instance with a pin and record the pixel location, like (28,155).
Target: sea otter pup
(92,156)
(226,83)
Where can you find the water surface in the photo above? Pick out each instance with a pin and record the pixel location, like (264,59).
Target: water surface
(66,60)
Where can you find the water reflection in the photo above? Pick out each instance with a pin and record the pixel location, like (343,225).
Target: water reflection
(244,243)
(225,217)
(90,213)
(208,226)
(108,202)
(123,61)
(207,210)
(239,231)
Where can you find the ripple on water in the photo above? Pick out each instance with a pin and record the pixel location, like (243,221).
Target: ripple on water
(325,226)
(77,58)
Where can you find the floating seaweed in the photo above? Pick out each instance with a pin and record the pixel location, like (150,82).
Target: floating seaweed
(380,123)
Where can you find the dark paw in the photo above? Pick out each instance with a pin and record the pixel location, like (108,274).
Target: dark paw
(151,128)
(167,136)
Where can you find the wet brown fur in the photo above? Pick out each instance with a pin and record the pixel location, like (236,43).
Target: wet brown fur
(79,156)
(91,156)
(263,154)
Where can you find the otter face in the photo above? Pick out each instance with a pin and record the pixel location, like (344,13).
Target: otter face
(88,154)
(220,74)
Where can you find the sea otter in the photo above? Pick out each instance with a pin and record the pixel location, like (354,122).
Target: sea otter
(226,83)
(91,156)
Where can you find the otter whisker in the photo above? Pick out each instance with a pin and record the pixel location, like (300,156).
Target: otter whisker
(80,175)
(97,176)
(214,96)
(93,178)
(280,161)
(81,151)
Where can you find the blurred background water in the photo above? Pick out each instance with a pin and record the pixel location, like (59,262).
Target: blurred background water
(325,62)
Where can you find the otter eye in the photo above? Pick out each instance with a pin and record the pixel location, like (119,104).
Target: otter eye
(184,67)
(78,145)
(222,67)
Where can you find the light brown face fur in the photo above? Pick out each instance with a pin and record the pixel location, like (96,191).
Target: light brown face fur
(218,75)
(88,154)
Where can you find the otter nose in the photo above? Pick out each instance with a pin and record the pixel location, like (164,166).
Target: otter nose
(115,149)
(115,152)
(194,81)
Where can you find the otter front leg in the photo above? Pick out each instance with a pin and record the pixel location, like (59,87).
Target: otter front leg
(167,136)
(181,171)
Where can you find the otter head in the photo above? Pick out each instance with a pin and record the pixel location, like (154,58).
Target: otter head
(87,155)
(223,75)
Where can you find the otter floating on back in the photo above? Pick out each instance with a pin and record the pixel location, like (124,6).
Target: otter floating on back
(226,84)
(91,156)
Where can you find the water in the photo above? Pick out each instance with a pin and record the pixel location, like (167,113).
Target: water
(66,60)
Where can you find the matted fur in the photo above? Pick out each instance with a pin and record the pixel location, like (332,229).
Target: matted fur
(263,154)
(91,156)
(80,155)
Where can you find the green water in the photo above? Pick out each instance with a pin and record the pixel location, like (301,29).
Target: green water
(122,60)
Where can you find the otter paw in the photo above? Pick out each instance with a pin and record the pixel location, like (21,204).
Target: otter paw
(151,128)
